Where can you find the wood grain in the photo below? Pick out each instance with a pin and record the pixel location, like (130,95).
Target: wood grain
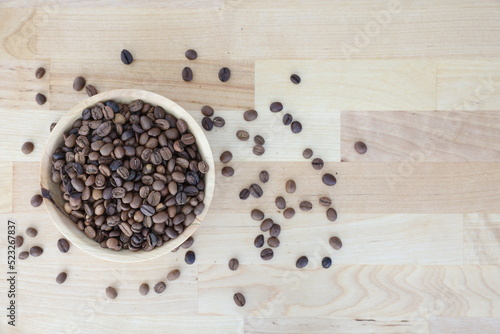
(6,186)
(449,325)
(482,238)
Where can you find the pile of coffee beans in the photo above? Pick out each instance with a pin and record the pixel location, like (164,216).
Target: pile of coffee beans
(131,175)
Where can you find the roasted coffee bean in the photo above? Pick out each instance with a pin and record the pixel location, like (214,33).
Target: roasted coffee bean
(276,107)
(295,79)
(266,224)
(242,135)
(63,245)
(266,254)
(31,232)
(224,74)
(136,105)
(90,232)
(190,257)
(275,230)
(308,153)
(331,214)
(91,90)
(187,74)
(19,241)
(290,186)
(256,191)
(244,193)
(264,176)
(273,242)
(259,150)
(23,255)
(173,275)
(250,115)
(40,99)
(239,299)
(36,251)
(111,292)
(335,242)
(233,264)
(329,179)
(296,127)
(219,122)
(259,241)
(227,171)
(287,119)
(61,278)
(280,202)
(326,262)
(188,243)
(79,83)
(289,213)
(226,156)
(302,262)
(257,214)
(40,72)
(191,54)
(160,287)
(126,57)
(27,147)
(317,163)
(36,200)
(207,111)
(259,140)
(207,123)
(144,289)
(325,201)
(305,206)
(360,147)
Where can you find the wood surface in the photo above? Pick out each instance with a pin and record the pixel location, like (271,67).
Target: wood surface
(417,80)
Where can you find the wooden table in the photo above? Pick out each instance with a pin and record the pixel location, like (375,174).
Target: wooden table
(419,213)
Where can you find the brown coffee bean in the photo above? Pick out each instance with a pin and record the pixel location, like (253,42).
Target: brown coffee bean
(289,213)
(326,262)
(126,57)
(287,119)
(63,245)
(226,156)
(276,107)
(233,264)
(224,74)
(207,123)
(264,176)
(329,179)
(40,99)
(325,201)
(259,150)
(273,242)
(308,153)
(302,262)
(295,79)
(360,147)
(207,111)
(90,232)
(250,115)
(256,191)
(31,232)
(259,140)
(242,135)
(136,105)
(36,200)
(187,74)
(266,254)
(256,214)
(61,278)
(27,147)
(259,241)
(203,167)
(144,289)
(23,255)
(111,292)
(244,194)
(91,90)
(331,214)
(275,230)
(266,224)
(227,171)
(40,72)
(79,83)
(317,163)
(239,299)
(335,242)
(280,202)
(296,127)
(52,126)
(36,251)
(188,243)
(290,186)
(19,241)
(305,206)
(190,257)
(191,54)
(219,122)
(173,275)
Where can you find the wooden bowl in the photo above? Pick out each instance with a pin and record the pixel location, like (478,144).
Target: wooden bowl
(55,202)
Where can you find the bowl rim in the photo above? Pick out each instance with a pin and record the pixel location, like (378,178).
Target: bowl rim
(61,219)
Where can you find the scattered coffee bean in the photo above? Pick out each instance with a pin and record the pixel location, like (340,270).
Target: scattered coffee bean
(266,254)
(126,57)
(91,90)
(259,140)
(273,242)
(144,289)
(226,156)
(190,257)
(325,201)
(287,119)
(296,127)
(191,54)
(302,262)
(244,193)
(256,214)
(31,232)
(61,278)
(295,79)
(227,171)
(233,264)
(360,147)
(326,262)
(36,251)
(23,255)
(79,83)
(289,213)
(242,135)
(280,202)
(250,115)
(239,299)
(259,241)
(207,123)
(256,191)
(276,107)
(290,186)
(173,275)
(187,74)
(219,122)
(335,242)
(40,99)
(259,150)
(52,126)
(305,206)
(40,72)
(36,200)
(63,245)
(264,176)
(266,224)
(331,214)
(317,163)
(188,243)
(329,179)
(308,153)
(19,241)
(27,147)
(275,230)
(111,292)
(224,74)
(207,111)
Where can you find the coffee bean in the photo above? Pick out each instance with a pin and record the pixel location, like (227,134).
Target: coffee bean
(290,186)
(191,54)
(259,241)
(188,243)
(250,115)
(31,232)
(187,74)
(190,257)
(79,83)
(259,150)
(329,179)
(326,262)
(207,111)
(126,57)
(227,171)
(136,105)
(173,275)
(219,122)
(302,262)
(256,191)
(331,214)
(289,213)
(239,299)
(273,242)
(259,140)
(242,135)
(224,74)
(266,254)
(276,107)
(27,147)
(40,72)
(256,214)
(280,202)
(305,206)
(61,278)
(296,127)
(335,242)
(36,200)
(40,99)
(144,289)
(266,224)
(317,163)
(275,230)
(295,79)
(287,119)
(90,232)
(226,156)
(264,176)
(233,264)
(63,245)
(52,126)
(360,147)
(325,201)
(36,251)
(111,292)
(23,255)
(207,123)
(244,193)
(19,241)
(91,90)
(308,153)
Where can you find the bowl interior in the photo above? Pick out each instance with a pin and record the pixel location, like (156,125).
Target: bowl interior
(55,202)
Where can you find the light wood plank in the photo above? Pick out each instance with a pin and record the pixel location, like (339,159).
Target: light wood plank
(17,33)
(6,175)
(440,136)
(445,325)
(55,6)
(482,238)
